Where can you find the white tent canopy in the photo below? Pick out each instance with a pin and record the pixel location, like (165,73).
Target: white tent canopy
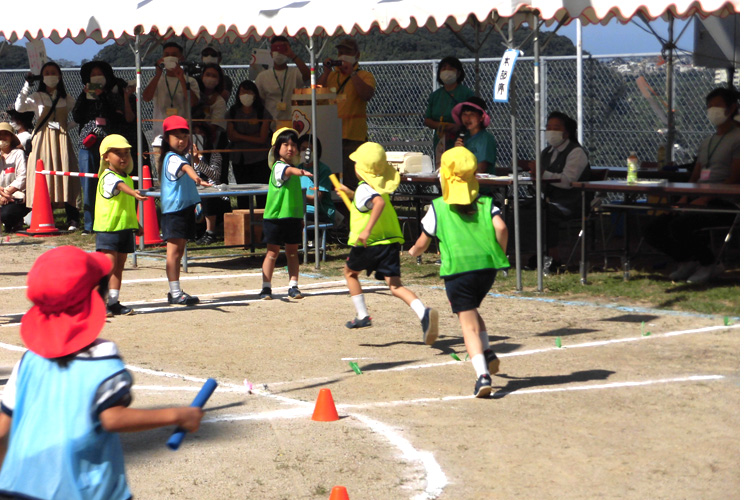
(231,20)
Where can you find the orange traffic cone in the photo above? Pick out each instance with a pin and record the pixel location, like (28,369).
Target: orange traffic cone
(325,410)
(339,493)
(42,218)
(150,221)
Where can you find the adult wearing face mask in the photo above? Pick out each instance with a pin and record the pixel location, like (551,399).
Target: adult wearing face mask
(675,234)
(441,102)
(99,111)
(354,87)
(169,92)
(23,123)
(277,84)
(12,180)
(565,160)
(211,106)
(211,55)
(50,141)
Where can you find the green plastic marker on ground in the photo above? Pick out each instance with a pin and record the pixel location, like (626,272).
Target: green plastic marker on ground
(355,368)
(645,333)
(726,321)
(558,342)
(454,356)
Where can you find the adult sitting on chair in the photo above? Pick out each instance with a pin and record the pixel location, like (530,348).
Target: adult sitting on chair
(566,160)
(718,162)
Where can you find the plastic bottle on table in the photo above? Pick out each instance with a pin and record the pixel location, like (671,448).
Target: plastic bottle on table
(632,167)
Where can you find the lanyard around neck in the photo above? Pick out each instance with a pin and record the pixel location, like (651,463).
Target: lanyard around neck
(281,85)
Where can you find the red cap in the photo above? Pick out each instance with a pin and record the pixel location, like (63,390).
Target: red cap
(175,122)
(68,312)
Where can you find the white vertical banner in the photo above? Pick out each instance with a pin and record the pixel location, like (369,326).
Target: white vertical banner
(37,55)
(504,75)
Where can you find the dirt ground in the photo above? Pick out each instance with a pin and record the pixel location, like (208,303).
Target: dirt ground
(613,413)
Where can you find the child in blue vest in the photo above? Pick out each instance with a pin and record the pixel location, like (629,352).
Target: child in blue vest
(472,238)
(284,211)
(375,237)
(115,221)
(179,196)
(67,398)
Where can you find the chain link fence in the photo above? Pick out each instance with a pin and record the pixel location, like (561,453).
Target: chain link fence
(617,118)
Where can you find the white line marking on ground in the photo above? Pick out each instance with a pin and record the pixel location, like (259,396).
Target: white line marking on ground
(164,279)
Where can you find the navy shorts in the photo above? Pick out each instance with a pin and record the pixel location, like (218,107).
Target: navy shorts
(181,224)
(383,259)
(466,291)
(116,241)
(283,231)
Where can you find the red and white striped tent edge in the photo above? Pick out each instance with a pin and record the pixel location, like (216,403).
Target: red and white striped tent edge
(230,20)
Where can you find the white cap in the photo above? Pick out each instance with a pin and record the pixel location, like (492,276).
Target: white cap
(158,141)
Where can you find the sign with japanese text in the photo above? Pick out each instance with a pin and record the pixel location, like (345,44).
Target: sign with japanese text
(504,75)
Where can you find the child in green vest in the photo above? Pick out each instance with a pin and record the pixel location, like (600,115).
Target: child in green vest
(115,220)
(375,237)
(472,238)
(284,211)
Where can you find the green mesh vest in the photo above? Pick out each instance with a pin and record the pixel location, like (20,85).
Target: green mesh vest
(118,212)
(284,201)
(467,242)
(386,230)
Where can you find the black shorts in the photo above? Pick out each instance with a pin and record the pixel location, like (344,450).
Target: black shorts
(383,259)
(466,291)
(116,241)
(181,224)
(283,231)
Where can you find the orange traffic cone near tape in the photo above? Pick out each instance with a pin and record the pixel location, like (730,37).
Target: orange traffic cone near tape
(150,220)
(325,410)
(42,218)
(339,493)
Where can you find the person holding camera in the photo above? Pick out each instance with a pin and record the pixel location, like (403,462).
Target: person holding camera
(277,84)
(50,141)
(99,110)
(174,92)
(354,87)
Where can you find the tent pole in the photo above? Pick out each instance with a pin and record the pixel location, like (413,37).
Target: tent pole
(669,158)
(580,93)
(314,145)
(538,169)
(516,185)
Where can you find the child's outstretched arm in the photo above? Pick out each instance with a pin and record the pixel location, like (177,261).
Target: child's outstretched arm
(377,209)
(132,192)
(298,171)
(421,245)
(123,419)
(500,228)
(188,170)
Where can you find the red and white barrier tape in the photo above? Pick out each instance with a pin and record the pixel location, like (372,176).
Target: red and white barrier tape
(76,174)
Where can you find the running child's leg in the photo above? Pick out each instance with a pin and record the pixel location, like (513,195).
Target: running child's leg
(471,326)
(293,269)
(492,361)
(428,317)
(267,271)
(174,252)
(362,319)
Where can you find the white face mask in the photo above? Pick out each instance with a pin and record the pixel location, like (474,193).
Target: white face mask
(554,137)
(170,62)
(279,58)
(717,116)
(4,144)
(247,99)
(51,81)
(14,125)
(209,60)
(209,82)
(448,77)
(100,80)
(349,59)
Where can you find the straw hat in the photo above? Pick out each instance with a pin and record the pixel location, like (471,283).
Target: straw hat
(373,167)
(458,176)
(68,311)
(7,127)
(114,141)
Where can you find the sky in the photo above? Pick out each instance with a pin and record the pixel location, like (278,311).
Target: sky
(614,38)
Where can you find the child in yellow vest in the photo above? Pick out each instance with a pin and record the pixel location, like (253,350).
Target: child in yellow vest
(284,211)
(375,237)
(115,221)
(472,238)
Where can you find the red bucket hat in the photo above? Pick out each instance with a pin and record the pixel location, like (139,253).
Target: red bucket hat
(175,122)
(68,312)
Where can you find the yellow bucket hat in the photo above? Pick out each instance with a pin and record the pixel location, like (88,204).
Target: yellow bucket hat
(270,157)
(372,165)
(114,141)
(458,176)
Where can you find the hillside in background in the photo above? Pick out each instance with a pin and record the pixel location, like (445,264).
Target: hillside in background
(374,47)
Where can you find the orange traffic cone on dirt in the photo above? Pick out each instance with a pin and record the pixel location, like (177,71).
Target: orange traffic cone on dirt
(150,220)
(325,410)
(339,493)
(42,218)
